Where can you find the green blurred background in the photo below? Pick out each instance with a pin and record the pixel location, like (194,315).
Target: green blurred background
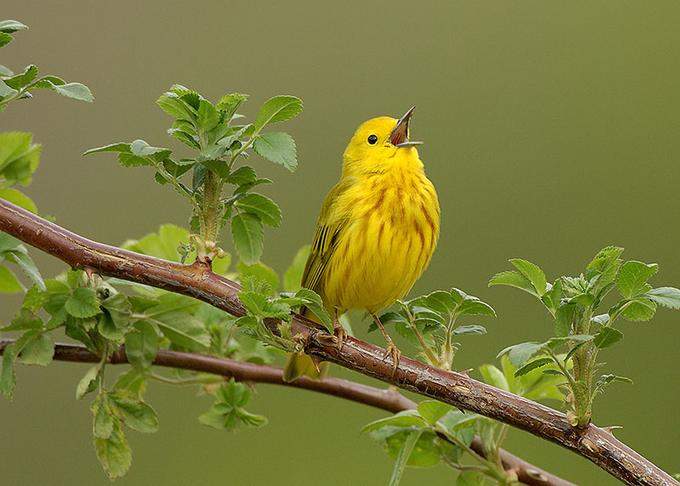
(551,129)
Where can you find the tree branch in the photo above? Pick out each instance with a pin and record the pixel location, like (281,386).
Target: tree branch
(457,389)
(384,399)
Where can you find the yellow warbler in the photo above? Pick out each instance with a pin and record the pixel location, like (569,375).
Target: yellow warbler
(377,230)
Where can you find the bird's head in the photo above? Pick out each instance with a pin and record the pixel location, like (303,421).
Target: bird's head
(377,142)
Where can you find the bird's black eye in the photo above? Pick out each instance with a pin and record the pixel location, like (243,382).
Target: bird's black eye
(372,139)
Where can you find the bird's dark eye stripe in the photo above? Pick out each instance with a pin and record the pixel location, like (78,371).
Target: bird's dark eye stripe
(372,139)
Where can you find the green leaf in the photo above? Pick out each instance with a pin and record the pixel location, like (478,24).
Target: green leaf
(552,298)
(469,329)
(7,374)
(475,307)
(19,157)
(132,382)
(248,236)
(257,304)
(112,147)
(5,71)
(608,379)
(114,452)
(103,419)
(172,303)
(605,262)
(440,301)
(47,82)
(555,342)
(602,270)
(314,303)
(208,117)
(531,365)
(11,26)
(261,272)
(173,105)
(241,176)
(427,452)
(493,376)
(532,272)
(227,412)
(142,149)
(278,109)
(512,278)
(20,258)
(118,308)
(183,330)
(5,39)
(639,310)
(277,147)
(25,320)
(135,413)
(519,354)
(432,410)
(632,278)
(229,103)
(565,317)
(407,418)
(665,296)
(18,198)
(38,351)
(22,79)
(293,277)
(403,457)
(6,91)
(77,91)
(470,478)
(262,207)
(9,284)
(141,345)
(83,303)
(88,382)
(607,336)
(163,244)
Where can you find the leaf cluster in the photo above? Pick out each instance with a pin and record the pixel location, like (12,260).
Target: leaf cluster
(581,329)
(430,322)
(219,139)
(22,85)
(105,314)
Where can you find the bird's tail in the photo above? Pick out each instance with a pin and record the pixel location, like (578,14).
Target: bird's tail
(301,364)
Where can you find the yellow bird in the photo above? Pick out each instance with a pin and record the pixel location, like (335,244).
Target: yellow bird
(376,233)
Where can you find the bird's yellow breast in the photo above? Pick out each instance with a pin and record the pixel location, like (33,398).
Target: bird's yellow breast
(392,231)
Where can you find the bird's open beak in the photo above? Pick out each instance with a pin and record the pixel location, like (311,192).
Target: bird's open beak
(399,134)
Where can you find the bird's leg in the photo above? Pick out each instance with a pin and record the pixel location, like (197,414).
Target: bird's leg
(338,330)
(392,349)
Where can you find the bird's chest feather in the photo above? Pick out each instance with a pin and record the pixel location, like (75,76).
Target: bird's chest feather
(392,232)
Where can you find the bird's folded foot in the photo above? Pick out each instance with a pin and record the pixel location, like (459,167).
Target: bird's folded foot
(394,353)
(340,334)
(327,339)
(392,350)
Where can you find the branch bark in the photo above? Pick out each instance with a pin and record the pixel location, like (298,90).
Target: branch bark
(592,442)
(384,399)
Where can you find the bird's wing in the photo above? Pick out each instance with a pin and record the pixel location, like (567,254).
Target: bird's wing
(332,221)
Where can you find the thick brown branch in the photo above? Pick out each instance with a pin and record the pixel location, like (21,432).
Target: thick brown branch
(457,389)
(385,399)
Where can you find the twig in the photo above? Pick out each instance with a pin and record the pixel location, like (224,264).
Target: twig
(457,389)
(384,399)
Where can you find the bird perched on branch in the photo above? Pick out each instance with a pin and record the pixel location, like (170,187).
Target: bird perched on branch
(376,233)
